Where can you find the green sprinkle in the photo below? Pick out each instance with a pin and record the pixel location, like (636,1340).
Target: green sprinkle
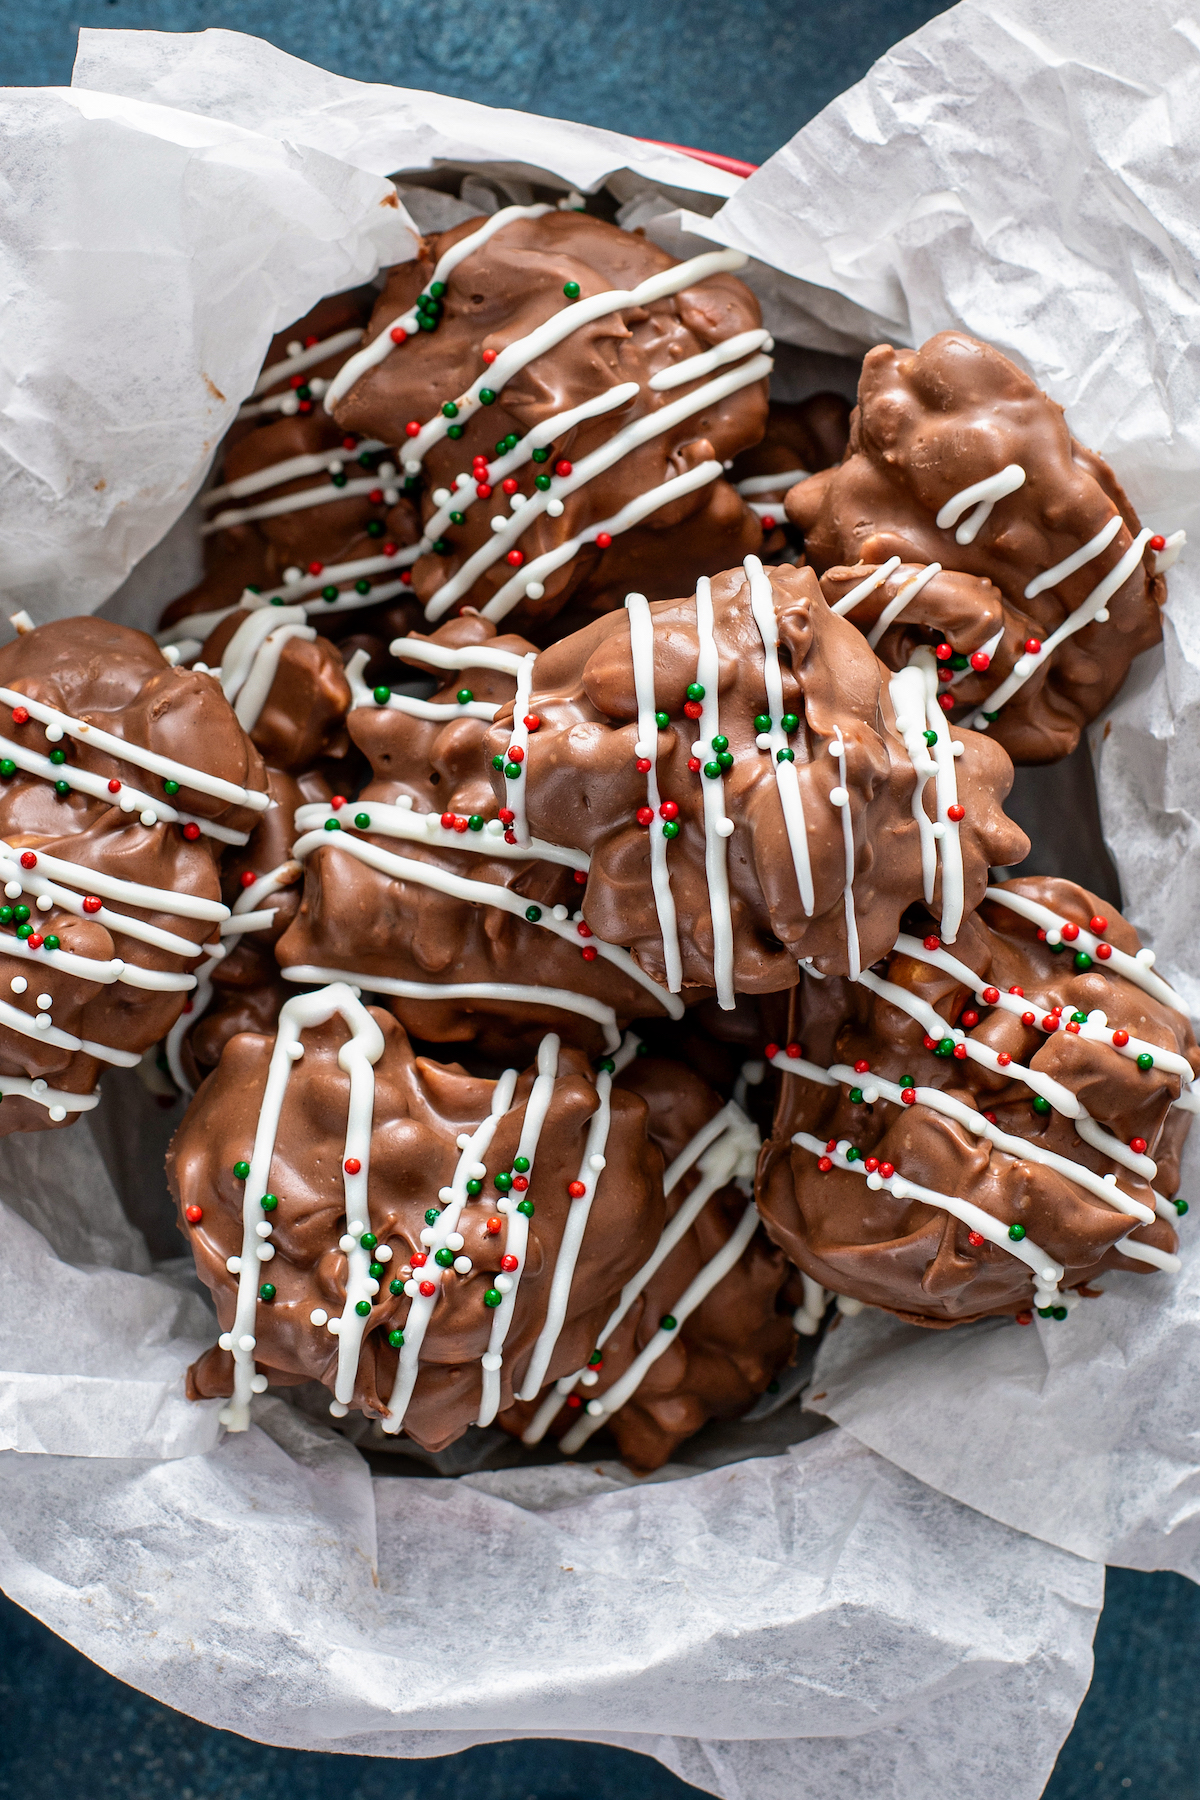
(362,585)
(457,518)
(720,742)
(363,1308)
(449,410)
(395,1286)
(1078,1018)
(24,931)
(269,1202)
(241,1170)
(671,828)
(267,1291)
(958,661)
(930,738)
(533,914)
(8,767)
(58,756)
(374,527)
(907,1081)
(21,913)
(608,1066)
(444,1258)
(497,762)
(541,456)
(526,1207)
(726,760)
(713,771)
(668,1322)
(454,431)
(1016,1233)
(502,446)
(945,1047)
(1045,1312)
(432,1215)
(1057,949)
(785,755)
(464,696)
(512,771)
(441,547)
(1060,1312)
(695,691)
(991,717)
(853,1154)
(542,482)
(338,480)
(170,787)
(6,914)
(475,822)
(762,722)
(1082,961)
(502,1182)
(368,1240)
(333,825)
(511,441)
(51,942)
(382,695)
(474,1188)
(1180,1206)
(365,459)
(304,393)
(362,821)
(493,1297)
(856,1096)
(376,1271)
(662,720)
(396,1339)
(62,789)
(487,396)
(1040,1105)
(790,721)
(329,593)
(1145,1061)
(521,1163)
(571,290)
(437,289)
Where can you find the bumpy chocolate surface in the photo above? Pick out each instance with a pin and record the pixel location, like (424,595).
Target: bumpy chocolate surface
(799,439)
(343,551)
(506,288)
(429,803)
(587,785)
(123,856)
(929,425)
(286,684)
(740,1333)
(421,1109)
(1037,1014)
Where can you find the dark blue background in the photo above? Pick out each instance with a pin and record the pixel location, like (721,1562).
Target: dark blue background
(738,78)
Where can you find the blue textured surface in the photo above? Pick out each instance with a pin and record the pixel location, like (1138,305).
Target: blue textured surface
(740,78)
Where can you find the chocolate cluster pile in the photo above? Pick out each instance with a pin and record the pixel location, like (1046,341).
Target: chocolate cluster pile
(554,696)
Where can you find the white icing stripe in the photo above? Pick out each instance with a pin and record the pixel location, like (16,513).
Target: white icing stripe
(242,650)
(166,766)
(383,344)
(426,828)
(693,367)
(25,1026)
(1102,1187)
(572,1240)
(1147,1253)
(894,608)
(514,789)
(57,1103)
(470,1167)
(1169,555)
(528,581)
(1133,968)
(356,1057)
(290,503)
(244,922)
(718,826)
(37,881)
(442,656)
(874,580)
(516,1240)
(1096,1029)
(627,1385)
(982,495)
(484,893)
(808,1316)
(641,649)
(1077,560)
(787,778)
(198,1006)
(1046,1273)
(516,993)
(907,691)
(631,437)
(130,800)
(436,711)
(293,468)
(305,359)
(840,797)
(183,633)
(954,887)
(466,494)
(256,681)
(726,1147)
(1095,607)
(770,484)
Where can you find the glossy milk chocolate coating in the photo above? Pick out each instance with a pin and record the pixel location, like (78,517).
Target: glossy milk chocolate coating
(420,1110)
(114,680)
(499,293)
(584,787)
(912,1257)
(367,923)
(931,423)
(296,712)
(739,1336)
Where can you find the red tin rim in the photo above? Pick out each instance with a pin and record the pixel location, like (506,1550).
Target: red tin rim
(732,165)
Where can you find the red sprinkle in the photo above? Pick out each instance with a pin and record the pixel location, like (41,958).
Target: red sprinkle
(645,815)
(448,821)
(584,929)
(981,660)
(871,1164)
(933,943)
(460,824)
(114,786)
(515,558)
(495,1226)
(1041,934)
(1070,933)
(643,765)
(28,859)
(20,715)
(510,484)
(1051,1022)
(991,995)
(824,1163)
(581,877)
(92,903)
(297,381)
(886,1170)
(193,1214)
(908,1096)
(694,764)
(1099,925)
(956,812)
(1074,1029)
(862,1068)
(969,1019)
(668,810)
(515,753)
(520,1182)
(506,815)
(563,467)
(603,540)
(406,577)
(1024,1318)
(1120,1039)
(483,489)
(247,878)
(589,955)
(990,1116)
(1157,542)
(398,334)
(532,722)
(35,940)
(574,1400)
(960,1051)
(311,341)
(945,673)
(795,1051)
(1003,1058)
(930,1042)
(770,1050)
(316,568)
(976,1239)
(510,837)
(413,428)
(692,709)
(489,356)
(352,1165)
(509,1263)
(832,1144)
(1019,992)
(1138,1146)
(419,1260)
(428,1289)
(946,702)
(1033,645)
(576,1189)
(376,496)
(349,443)
(1104,951)
(191,832)
(943,652)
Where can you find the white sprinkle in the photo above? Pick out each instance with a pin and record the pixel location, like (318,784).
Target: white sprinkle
(225,1341)
(411,467)
(554,508)
(595,1408)
(335,1326)
(54,733)
(838,796)
(265,1252)
(234,1265)
(262,1229)
(149,817)
(503,1284)
(58,1112)
(246,1343)
(596,1162)
(319,1317)
(44,902)
(19,984)
(295,347)
(386,470)
(427,1236)
(517,501)
(39,1086)
(560,913)
(292,576)
(534,590)
(13,889)
(383,1253)
(346,1242)
(258,1384)
(763,740)
(463,1265)
(499,522)
(45,1001)
(338,1409)
(410,1288)
(441,496)
(372,1286)
(454,1241)
(492,1360)
(724,828)
(461,1141)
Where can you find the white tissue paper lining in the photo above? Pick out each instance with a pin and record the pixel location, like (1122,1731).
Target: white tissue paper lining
(816,1615)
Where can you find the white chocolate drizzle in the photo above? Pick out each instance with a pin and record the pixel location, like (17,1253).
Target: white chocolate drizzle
(771,484)
(982,495)
(196,626)
(356,1057)
(787,779)
(435,711)
(730,350)
(293,468)
(400,821)
(641,648)
(304,358)
(840,797)
(514,788)
(251,660)
(894,608)
(874,580)
(1139,969)
(515,993)
(718,826)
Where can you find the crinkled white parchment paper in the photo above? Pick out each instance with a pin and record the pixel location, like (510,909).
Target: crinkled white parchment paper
(813,1620)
